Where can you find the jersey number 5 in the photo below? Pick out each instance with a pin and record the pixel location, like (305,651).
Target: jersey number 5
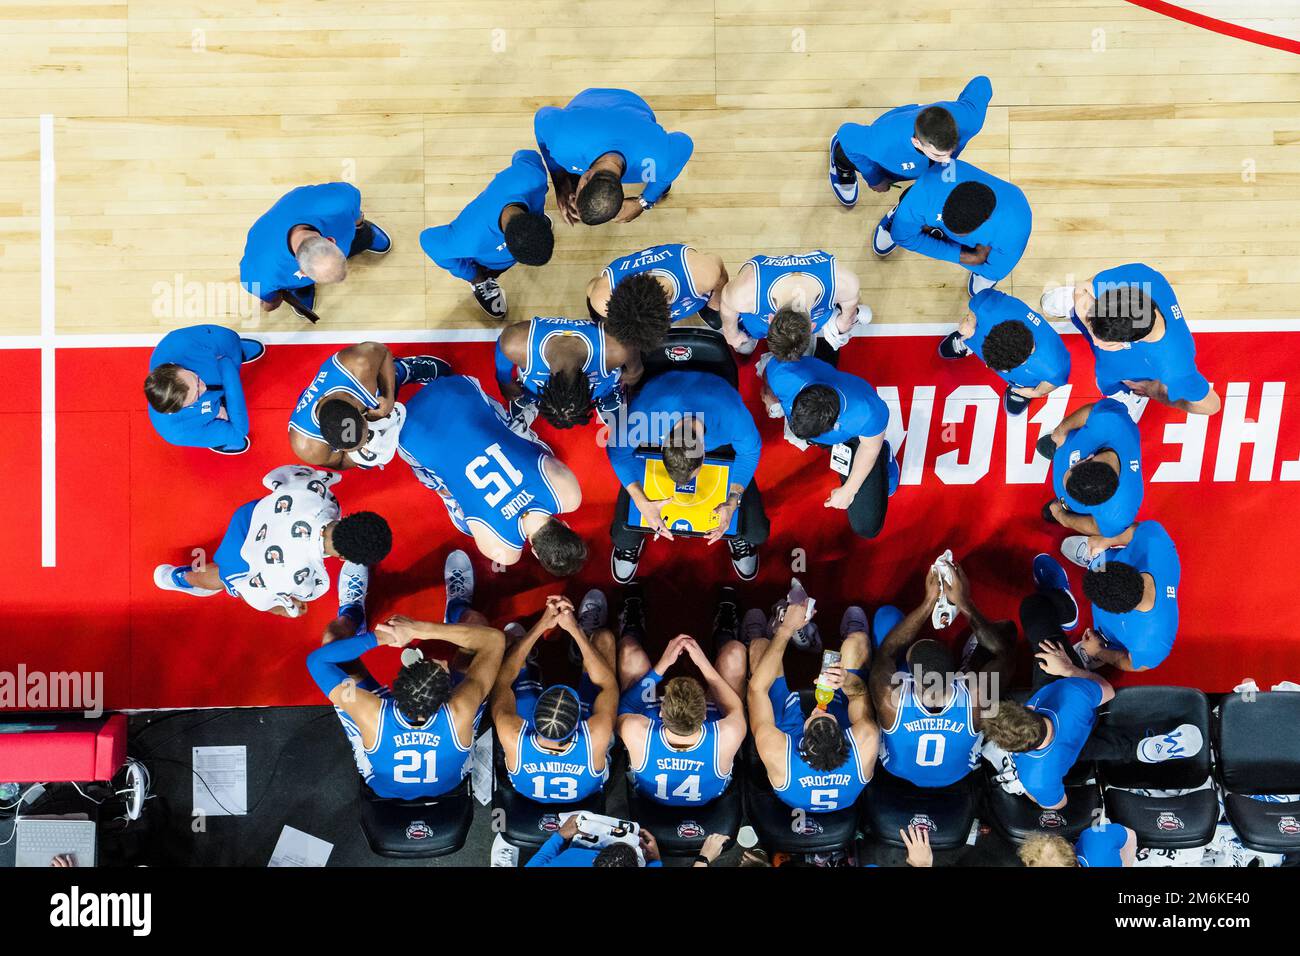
(492,482)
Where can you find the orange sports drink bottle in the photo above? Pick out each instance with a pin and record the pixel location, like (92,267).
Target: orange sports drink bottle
(821,691)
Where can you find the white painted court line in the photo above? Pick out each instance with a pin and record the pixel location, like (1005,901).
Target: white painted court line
(47,344)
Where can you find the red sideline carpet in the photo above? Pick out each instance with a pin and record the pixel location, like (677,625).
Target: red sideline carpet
(127,501)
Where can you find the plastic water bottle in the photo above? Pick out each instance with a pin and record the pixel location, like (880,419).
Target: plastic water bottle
(823,692)
(9,792)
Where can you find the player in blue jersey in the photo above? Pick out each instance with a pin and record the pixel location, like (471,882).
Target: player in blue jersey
(1096,473)
(1133,588)
(354,387)
(814,285)
(681,734)
(1139,338)
(904,142)
(556,740)
(928,704)
(503,489)
(195,397)
(602,140)
(306,240)
(640,295)
(1041,740)
(1104,843)
(504,224)
(414,739)
(564,369)
(1016,343)
(686,414)
(841,412)
(824,761)
(960,214)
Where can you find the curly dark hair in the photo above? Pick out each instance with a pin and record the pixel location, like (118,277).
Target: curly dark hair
(639,313)
(420,689)
(1091,482)
(530,238)
(824,746)
(617,854)
(363,537)
(789,334)
(557,713)
(968,207)
(600,199)
(559,549)
(1122,313)
(341,424)
(566,399)
(1008,345)
(1115,586)
(935,126)
(814,412)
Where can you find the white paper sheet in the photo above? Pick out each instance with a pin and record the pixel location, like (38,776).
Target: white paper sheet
(295,848)
(220,781)
(482,770)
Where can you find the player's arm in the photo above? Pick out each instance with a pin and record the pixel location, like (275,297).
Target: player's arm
(707,272)
(862,721)
(848,296)
(371,363)
(328,668)
(511,353)
(492,547)
(505,715)
(313,451)
(598,292)
(729,702)
(1072,423)
(486,644)
(601,672)
(235,404)
(1053,658)
(909,233)
(568,491)
(884,663)
(737,296)
(869,447)
(770,740)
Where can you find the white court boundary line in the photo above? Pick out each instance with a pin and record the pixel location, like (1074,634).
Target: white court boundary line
(48,344)
(102,340)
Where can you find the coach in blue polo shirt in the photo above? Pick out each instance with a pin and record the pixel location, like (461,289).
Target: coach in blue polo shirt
(1096,473)
(1134,593)
(686,415)
(831,408)
(1143,348)
(600,141)
(195,397)
(1016,343)
(960,214)
(503,225)
(906,141)
(305,240)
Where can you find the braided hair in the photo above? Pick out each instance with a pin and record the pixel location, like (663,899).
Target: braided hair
(557,713)
(566,399)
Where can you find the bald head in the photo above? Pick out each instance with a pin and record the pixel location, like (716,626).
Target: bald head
(322,261)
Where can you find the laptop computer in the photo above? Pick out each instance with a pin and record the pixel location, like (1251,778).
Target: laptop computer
(41,838)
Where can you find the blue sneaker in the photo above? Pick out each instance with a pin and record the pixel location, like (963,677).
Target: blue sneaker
(1049,575)
(844,183)
(250,351)
(885,620)
(380,241)
(892,469)
(882,243)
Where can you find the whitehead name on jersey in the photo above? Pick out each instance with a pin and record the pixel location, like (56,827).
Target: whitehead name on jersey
(931,750)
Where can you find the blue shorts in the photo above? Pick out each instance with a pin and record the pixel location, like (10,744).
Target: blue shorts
(227,558)
(789,713)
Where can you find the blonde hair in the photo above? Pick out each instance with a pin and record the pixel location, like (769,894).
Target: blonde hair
(1047,849)
(1014,727)
(683,706)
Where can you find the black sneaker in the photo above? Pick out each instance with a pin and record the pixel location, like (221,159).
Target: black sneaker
(623,562)
(631,617)
(421,369)
(1047,513)
(744,558)
(952,347)
(1046,447)
(491,298)
(726,622)
(237,450)
(1014,404)
(380,243)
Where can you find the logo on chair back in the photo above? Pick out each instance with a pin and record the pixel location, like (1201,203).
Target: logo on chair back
(809,826)
(922,822)
(689,830)
(548,822)
(418,830)
(1050,820)
(1168,820)
(678,353)
(1288,826)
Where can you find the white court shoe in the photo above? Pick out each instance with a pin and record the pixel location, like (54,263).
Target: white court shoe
(1058,303)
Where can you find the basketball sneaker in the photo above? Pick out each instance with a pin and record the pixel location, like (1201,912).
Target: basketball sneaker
(170,577)
(1058,303)
(882,243)
(623,562)
(744,558)
(380,242)
(1185,740)
(1050,576)
(491,298)
(354,581)
(236,450)
(853,621)
(458,575)
(1076,551)
(953,347)
(844,182)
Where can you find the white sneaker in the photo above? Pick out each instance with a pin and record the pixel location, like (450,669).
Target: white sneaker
(975,284)
(593,612)
(1075,550)
(411,655)
(754,626)
(1058,303)
(458,575)
(882,242)
(854,621)
(1185,740)
(162,577)
(354,581)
